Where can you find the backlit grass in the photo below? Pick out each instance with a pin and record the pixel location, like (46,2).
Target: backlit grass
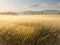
(43,30)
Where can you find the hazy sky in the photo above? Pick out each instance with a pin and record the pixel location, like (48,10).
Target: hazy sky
(28,5)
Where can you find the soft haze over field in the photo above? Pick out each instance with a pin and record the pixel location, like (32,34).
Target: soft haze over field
(30,30)
(28,5)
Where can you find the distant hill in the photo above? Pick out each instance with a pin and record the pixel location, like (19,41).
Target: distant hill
(42,12)
(32,12)
(8,13)
(51,11)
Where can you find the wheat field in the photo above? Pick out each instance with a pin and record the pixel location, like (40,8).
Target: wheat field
(30,30)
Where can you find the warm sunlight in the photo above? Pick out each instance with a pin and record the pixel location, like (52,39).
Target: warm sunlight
(29,22)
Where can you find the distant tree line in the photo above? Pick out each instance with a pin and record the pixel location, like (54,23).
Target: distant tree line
(29,13)
(39,13)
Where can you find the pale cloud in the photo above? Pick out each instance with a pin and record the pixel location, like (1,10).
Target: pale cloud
(32,7)
(13,9)
(38,5)
(45,6)
(55,6)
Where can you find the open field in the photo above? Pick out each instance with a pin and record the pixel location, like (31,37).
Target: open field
(30,30)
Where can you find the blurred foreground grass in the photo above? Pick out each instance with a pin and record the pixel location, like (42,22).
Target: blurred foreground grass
(43,30)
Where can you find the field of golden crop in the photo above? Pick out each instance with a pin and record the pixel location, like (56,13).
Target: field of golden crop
(30,30)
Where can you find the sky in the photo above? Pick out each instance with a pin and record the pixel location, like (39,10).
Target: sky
(28,5)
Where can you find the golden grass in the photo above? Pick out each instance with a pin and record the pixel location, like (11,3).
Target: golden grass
(30,30)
